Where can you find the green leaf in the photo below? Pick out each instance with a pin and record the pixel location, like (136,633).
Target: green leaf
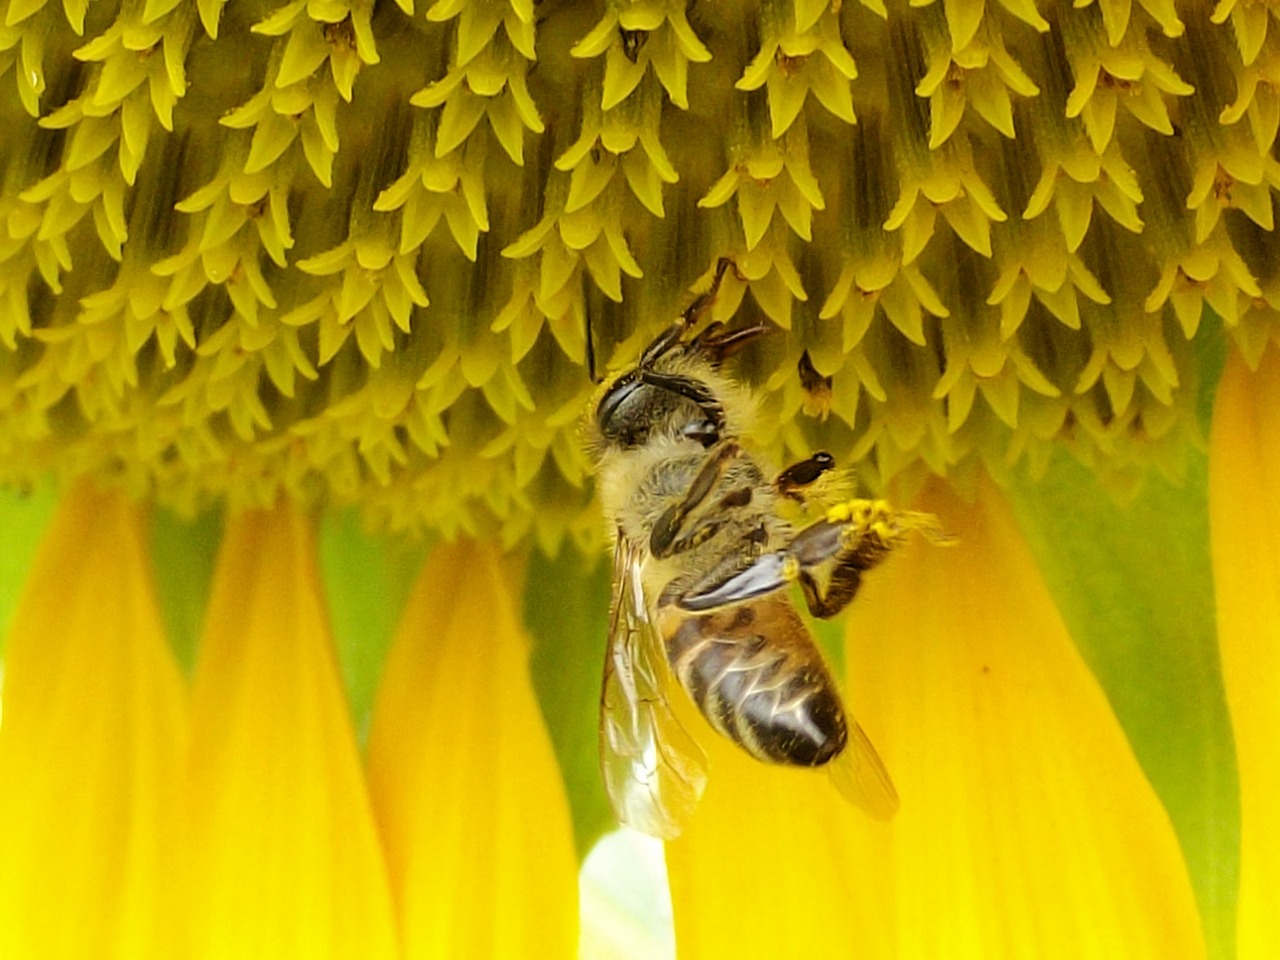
(566,606)
(367,580)
(23,517)
(183,555)
(1135,587)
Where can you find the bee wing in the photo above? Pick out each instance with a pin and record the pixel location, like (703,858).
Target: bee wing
(653,769)
(860,776)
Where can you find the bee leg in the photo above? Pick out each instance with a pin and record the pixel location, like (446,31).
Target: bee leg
(669,337)
(845,579)
(665,538)
(717,344)
(871,530)
(802,474)
(815,544)
(660,344)
(703,302)
(856,535)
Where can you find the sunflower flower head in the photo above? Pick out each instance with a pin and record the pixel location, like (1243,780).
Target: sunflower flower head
(360,263)
(337,258)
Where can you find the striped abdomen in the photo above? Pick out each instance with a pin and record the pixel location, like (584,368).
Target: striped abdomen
(756,675)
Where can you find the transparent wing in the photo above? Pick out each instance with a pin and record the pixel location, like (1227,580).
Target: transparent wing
(653,770)
(860,776)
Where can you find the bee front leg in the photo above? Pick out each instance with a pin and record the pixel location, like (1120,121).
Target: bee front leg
(799,475)
(669,337)
(700,306)
(845,578)
(870,531)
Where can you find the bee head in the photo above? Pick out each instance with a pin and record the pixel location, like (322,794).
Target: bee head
(674,390)
(633,408)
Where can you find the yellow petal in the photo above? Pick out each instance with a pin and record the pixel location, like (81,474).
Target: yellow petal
(468,794)
(761,871)
(94,731)
(1027,828)
(284,859)
(1244,517)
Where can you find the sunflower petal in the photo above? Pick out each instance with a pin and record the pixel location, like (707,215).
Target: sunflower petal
(1133,582)
(463,777)
(284,854)
(1244,514)
(94,731)
(1027,827)
(761,871)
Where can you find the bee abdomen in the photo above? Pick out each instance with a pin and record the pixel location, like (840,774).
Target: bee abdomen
(757,677)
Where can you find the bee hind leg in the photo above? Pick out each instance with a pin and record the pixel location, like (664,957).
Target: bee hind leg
(866,532)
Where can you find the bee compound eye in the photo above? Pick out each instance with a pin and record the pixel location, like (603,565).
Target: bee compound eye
(612,401)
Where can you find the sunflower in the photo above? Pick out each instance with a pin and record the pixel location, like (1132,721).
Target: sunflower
(301,579)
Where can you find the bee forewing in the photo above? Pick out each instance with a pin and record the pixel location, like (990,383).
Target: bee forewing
(860,776)
(653,770)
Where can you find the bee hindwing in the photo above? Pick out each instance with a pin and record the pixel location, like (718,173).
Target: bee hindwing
(861,778)
(653,770)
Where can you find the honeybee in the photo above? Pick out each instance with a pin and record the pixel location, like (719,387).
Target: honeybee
(703,564)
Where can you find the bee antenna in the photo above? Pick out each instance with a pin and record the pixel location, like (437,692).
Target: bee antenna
(591,353)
